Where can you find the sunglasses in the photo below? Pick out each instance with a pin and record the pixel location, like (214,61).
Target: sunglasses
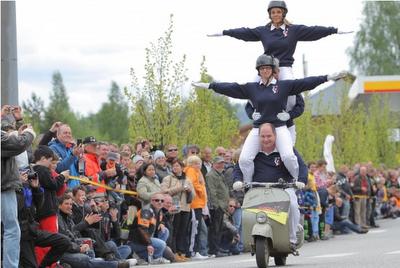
(231,206)
(158,200)
(172,150)
(195,152)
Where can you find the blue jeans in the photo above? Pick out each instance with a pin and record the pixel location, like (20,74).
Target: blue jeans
(12,232)
(237,216)
(226,243)
(346,208)
(121,252)
(158,245)
(203,239)
(314,222)
(345,224)
(85,260)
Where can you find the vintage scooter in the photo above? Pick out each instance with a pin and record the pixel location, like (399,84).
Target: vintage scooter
(265,224)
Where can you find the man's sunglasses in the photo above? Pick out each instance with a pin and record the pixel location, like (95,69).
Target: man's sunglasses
(158,200)
(172,150)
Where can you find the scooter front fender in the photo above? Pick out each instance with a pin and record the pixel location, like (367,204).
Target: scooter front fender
(264,230)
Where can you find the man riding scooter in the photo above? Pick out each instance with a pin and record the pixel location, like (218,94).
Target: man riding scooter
(268,167)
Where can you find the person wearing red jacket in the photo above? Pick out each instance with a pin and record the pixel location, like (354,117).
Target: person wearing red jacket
(92,169)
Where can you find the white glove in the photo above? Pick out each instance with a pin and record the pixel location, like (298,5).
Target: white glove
(300,185)
(238,186)
(215,34)
(256,115)
(201,85)
(336,76)
(344,32)
(283,116)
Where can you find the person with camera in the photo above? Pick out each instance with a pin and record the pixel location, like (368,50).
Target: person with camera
(92,169)
(117,180)
(69,152)
(180,188)
(47,214)
(12,146)
(30,199)
(87,221)
(110,229)
(80,254)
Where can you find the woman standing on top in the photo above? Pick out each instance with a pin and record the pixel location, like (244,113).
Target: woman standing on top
(279,37)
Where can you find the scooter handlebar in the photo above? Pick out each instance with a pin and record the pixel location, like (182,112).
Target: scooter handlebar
(280,183)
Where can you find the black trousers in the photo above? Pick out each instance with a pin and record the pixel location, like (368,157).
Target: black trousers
(214,232)
(181,221)
(57,242)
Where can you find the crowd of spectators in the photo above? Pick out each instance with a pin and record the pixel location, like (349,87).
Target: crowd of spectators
(94,203)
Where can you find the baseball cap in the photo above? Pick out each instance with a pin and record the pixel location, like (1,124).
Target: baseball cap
(90,140)
(218,159)
(112,156)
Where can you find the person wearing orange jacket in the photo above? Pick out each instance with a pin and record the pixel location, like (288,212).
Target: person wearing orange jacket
(193,172)
(92,169)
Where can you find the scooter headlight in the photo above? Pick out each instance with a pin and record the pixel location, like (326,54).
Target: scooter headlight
(261,217)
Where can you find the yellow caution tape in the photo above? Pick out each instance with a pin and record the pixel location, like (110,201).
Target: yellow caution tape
(86,180)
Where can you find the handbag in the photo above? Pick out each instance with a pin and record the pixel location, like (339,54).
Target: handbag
(189,196)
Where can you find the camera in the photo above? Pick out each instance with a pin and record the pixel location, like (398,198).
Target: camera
(11,109)
(32,176)
(126,171)
(111,204)
(185,187)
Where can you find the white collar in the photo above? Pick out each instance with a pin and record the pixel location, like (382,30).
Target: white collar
(283,27)
(274,151)
(273,81)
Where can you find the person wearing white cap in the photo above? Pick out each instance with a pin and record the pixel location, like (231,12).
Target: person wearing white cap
(162,169)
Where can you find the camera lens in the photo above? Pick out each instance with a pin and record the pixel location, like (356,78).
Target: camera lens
(32,176)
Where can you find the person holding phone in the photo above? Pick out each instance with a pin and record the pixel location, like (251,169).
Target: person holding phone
(71,154)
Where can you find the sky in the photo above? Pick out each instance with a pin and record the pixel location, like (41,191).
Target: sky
(92,43)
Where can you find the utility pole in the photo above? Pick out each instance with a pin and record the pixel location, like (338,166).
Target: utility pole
(9,60)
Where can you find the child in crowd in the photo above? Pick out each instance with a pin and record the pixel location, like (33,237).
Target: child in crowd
(311,213)
(114,182)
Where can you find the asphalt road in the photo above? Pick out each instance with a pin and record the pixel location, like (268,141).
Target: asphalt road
(380,247)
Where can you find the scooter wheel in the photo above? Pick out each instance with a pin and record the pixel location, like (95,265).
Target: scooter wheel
(280,261)
(262,252)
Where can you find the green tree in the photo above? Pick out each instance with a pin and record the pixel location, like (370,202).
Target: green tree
(33,111)
(207,122)
(112,118)
(156,108)
(376,49)
(59,109)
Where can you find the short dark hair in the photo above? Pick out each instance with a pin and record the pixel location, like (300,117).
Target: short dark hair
(43,151)
(180,162)
(77,188)
(142,170)
(63,197)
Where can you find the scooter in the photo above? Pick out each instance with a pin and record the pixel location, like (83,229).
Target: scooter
(265,224)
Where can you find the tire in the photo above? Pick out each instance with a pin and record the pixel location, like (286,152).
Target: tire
(262,252)
(280,261)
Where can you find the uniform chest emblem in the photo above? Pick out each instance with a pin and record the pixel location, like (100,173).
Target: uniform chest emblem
(286,32)
(275,89)
(277,161)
